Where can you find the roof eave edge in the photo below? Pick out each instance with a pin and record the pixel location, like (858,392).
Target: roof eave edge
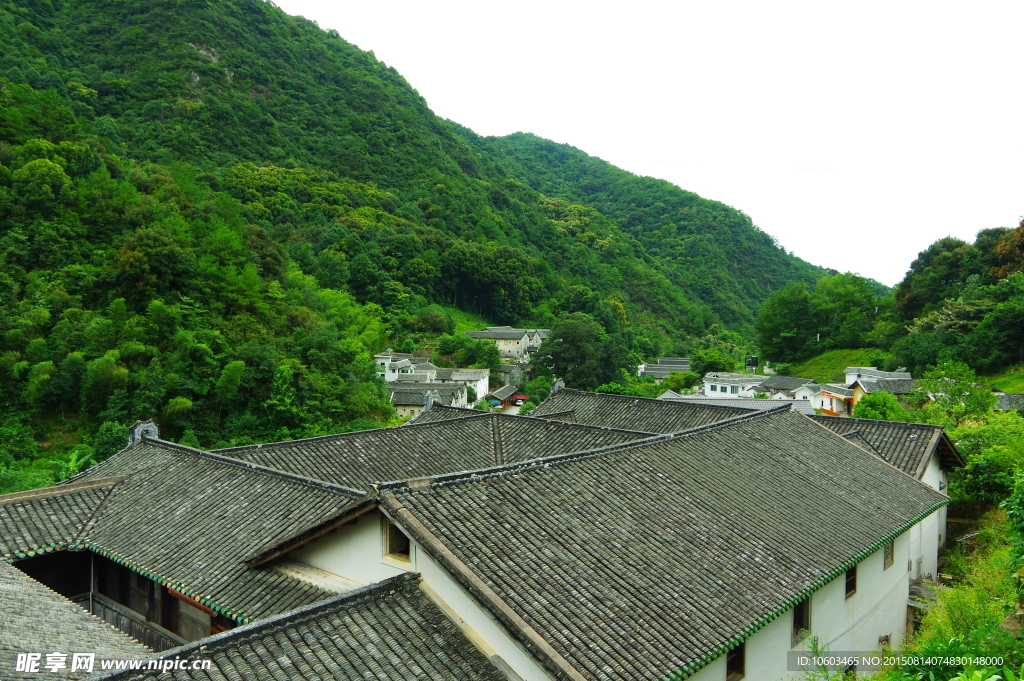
(166,581)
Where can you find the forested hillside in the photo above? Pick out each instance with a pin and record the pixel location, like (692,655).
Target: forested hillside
(213,214)
(713,251)
(959,302)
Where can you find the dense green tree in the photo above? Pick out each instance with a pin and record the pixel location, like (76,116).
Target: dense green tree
(951,394)
(787,325)
(881,406)
(709,359)
(934,276)
(580,352)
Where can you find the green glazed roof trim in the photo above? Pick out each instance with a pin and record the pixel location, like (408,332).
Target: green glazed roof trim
(755,626)
(46,548)
(135,567)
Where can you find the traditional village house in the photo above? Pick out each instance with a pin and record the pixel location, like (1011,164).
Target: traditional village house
(727,556)
(724,384)
(900,387)
(515,344)
(833,400)
(855,373)
(409,398)
(664,367)
(785,387)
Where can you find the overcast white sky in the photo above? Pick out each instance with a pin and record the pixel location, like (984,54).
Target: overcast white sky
(855,133)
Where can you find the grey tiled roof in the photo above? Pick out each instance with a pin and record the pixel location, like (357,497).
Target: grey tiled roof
(513,334)
(188,519)
(659,553)
(50,519)
(896,386)
(1009,402)
(414,393)
(478,440)
(872,372)
(633,413)
(503,392)
(785,382)
(908,446)
(440,412)
(802,406)
(38,620)
(388,631)
(837,390)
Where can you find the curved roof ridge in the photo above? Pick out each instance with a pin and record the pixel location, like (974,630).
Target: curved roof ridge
(416,484)
(902,424)
(257,468)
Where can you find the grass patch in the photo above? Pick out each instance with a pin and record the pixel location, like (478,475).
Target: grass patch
(1010,381)
(467,321)
(828,367)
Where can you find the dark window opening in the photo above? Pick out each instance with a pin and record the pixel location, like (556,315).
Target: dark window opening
(851,581)
(396,544)
(801,620)
(735,662)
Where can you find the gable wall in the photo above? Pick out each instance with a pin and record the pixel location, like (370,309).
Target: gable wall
(355,552)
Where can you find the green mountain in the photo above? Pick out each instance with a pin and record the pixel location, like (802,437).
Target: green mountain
(215,213)
(712,251)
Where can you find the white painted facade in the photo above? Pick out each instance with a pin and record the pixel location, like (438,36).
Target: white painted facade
(355,552)
(832,402)
(722,384)
(878,607)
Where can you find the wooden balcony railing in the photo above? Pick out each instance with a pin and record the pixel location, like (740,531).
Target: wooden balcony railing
(148,633)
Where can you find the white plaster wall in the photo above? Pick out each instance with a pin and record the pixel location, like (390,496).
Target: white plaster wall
(879,607)
(937,479)
(355,552)
(476,622)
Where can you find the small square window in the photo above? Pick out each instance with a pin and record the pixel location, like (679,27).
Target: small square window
(890,552)
(714,388)
(396,544)
(734,389)
(851,581)
(735,663)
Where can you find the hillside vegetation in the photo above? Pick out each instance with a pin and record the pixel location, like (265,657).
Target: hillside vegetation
(959,302)
(828,366)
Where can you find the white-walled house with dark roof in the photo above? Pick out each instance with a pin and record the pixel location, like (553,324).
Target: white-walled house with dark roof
(720,564)
(725,384)
(580,545)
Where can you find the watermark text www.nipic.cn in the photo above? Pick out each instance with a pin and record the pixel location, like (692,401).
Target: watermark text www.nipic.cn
(86,662)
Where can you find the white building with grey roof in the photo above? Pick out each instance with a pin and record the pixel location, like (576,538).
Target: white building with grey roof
(610,537)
